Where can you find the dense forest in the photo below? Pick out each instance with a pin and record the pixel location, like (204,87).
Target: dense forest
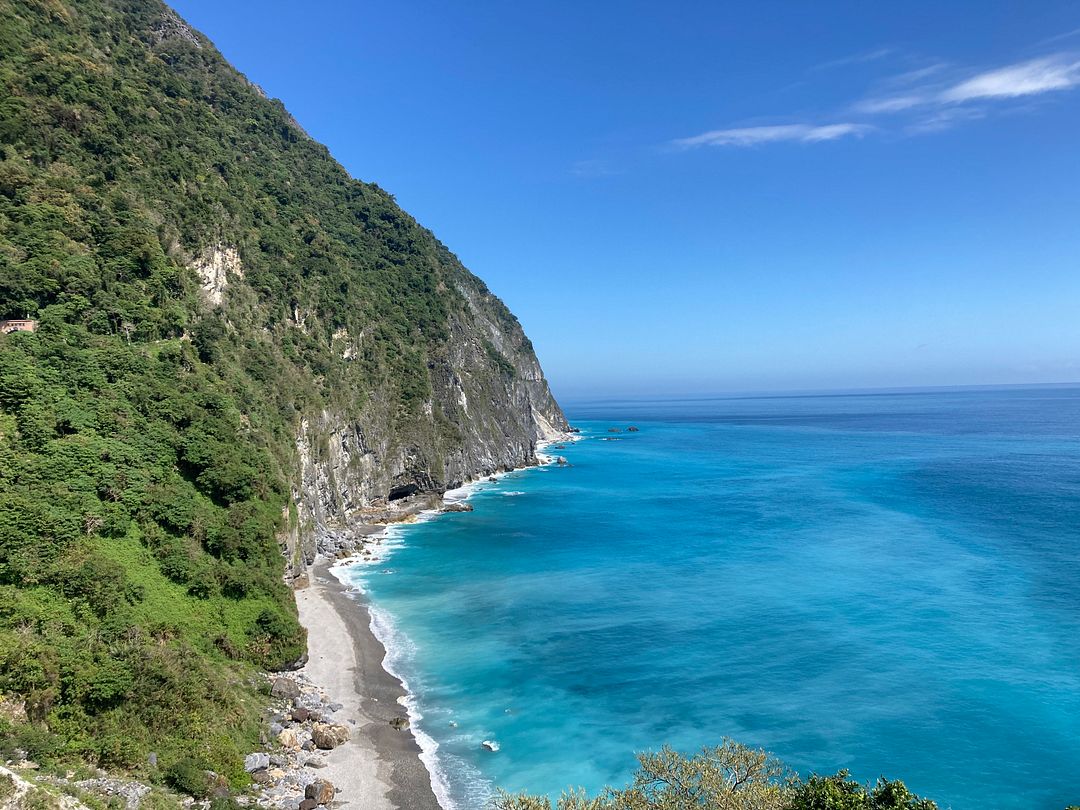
(148,425)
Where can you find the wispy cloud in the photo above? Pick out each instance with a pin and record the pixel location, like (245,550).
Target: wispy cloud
(856,59)
(940,120)
(1061,37)
(752,136)
(1033,77)
(932,98)
(1037,76)
(888,104)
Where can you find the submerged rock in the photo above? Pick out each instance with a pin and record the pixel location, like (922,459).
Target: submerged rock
(490,745)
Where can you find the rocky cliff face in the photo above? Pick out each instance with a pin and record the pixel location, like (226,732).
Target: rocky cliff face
(489,408)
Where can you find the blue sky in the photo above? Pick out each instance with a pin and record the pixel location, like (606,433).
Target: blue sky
(704,197)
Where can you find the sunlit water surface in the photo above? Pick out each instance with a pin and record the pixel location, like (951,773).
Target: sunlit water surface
(885,583)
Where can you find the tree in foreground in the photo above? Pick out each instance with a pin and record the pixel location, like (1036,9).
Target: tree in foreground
(728,777)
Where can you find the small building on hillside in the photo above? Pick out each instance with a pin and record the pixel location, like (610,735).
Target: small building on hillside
(17,325)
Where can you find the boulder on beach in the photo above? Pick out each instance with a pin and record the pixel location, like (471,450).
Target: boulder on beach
(288,739)
(320,791)
(284,688)
(256,762)
(400,723)
(327,736)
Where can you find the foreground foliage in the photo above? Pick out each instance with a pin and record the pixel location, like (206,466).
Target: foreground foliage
(728,777)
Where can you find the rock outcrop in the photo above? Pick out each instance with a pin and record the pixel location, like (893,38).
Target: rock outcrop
(489,407)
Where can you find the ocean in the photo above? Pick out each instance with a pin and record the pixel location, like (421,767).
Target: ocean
(888,583)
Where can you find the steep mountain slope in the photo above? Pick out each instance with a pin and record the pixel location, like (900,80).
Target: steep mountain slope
(239,348)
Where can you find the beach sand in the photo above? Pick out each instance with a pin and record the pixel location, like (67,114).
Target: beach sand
(379,768)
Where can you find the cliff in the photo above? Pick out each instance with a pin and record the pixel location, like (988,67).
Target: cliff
(240,351)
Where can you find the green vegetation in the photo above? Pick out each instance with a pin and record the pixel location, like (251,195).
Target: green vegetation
(729,777)
(147,454)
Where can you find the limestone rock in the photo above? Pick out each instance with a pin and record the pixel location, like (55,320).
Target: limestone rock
(288,739)
(321,791)
(327,735)
(284,688)
(457,506)
(256,762)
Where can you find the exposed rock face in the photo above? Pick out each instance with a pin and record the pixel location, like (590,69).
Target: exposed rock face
(214,268)
(489,407)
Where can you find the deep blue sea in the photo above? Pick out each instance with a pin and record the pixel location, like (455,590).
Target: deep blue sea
(888,583)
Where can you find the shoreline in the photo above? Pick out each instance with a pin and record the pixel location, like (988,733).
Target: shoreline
(381,767)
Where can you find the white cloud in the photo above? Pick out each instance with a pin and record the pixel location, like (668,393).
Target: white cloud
(1043,75)
(856,59)
(752,136)
(1024,79)
(889,104)
(932,98)
(942,119)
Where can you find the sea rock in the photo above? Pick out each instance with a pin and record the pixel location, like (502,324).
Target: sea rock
(457,506)
(632,429)
(284,688)
(490,745)
(400,723)
(256,762)
(321,790)
(327,736)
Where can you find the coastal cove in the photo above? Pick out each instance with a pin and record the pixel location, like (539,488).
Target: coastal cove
(877,582)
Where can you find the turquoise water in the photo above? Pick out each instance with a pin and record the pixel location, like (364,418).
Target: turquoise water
(886,583)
